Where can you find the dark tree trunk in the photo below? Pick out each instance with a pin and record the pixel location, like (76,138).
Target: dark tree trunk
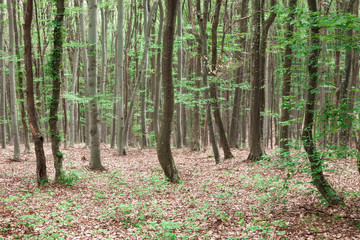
(286,101)
(163,142)
(235,117)
(319,180)
(255,135)
(33,119)
(55,63)
(213,87)
(202,23)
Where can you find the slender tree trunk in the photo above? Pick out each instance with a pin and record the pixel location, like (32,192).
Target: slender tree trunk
(143,87)
(286,101)
(2,81)
(163,143)
(158,73)
(195,131)
(86,72)
(213,87)
(255,135)
(20,77)
(33,119)
(178,130)
(120,79)
(73,103)
(319,180)
(203,22)
(95,159)
(55,64)
(13,106)
(237,107)
(104,23)
(345,85)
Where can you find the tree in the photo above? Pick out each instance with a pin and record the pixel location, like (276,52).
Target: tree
(95,159)
(2,82)
(120,79)
(285,115)
(202,19)
(235,117)
(33,118)
(54,68)
(255,134)
(318,178)
(213,87)
(13,105)
(85,69)
(163,142)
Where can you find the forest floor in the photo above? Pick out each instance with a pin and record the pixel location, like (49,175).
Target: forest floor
(131,200)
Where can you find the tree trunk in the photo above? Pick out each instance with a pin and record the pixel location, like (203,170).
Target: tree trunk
(202,23)
(178,130)
(163,143)
(86,72)
(33,119)
(255,135)
(2,82)
(55,64)
(286,101)
(235,117)
(95,159)
(20,77)
(143,87)
(213,87)
(73,103)
(319,180)
(120,79)
(104,23)
(158,73)
(13,106)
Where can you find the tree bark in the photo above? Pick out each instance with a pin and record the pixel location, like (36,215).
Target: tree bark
(178,130)
(55,64)
(237,107)
(33,119)
(13,106)
(158,73)
(2,82)
(86,72)
(20,77)
(202,23)
(120,79)
(213,87)
(255,135)
(319,180)
(163,143)
(95,158)
(286,101)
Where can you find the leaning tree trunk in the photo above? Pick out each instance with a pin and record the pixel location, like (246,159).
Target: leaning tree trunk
(255,135)
(213,87)
(33,118)
(163,142)
(95,159)
(316,164)
(286,101)
(13,106)
(55,64)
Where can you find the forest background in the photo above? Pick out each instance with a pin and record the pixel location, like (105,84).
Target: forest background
(256,75)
